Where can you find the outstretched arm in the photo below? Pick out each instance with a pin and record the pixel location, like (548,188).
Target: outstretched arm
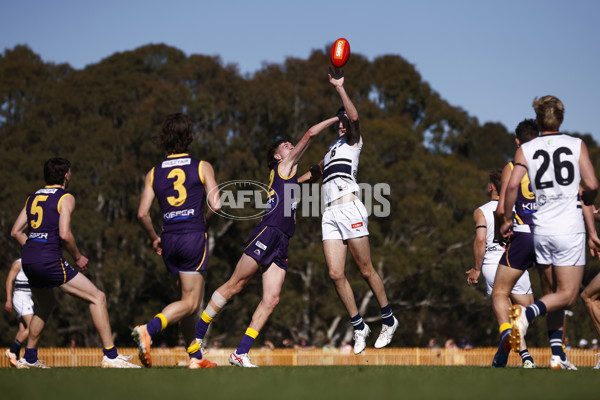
(313,174)
(288,166)
(336,78)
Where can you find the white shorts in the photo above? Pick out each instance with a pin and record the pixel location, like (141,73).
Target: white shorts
(345,221)
(523,285)
(560,250)
(22,302)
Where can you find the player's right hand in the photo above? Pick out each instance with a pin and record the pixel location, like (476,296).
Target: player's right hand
(157,245)
(82,262)
(8,306)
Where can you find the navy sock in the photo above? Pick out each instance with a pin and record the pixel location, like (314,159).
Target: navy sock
(387,316)
(555,337)
(535,310)
(111,353)
(525,355)
(31,355)
(15,348)
(357,322)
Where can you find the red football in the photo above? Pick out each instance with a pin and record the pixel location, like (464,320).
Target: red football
(340,52)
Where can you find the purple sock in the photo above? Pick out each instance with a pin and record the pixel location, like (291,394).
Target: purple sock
(154,326)
(245,345)
(201,328)
(31,355)
(111,353)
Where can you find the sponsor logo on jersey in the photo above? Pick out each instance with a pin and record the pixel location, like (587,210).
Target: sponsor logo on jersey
(257,252)
(176,162)
(357,225)
(46,191)
(42,236)
(180,214)
(260,245)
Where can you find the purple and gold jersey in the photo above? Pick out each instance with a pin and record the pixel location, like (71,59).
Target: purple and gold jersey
(281,203)
(525,205)
(43,213)
(179,187)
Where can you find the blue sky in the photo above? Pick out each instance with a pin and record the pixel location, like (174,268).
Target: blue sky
(490,58)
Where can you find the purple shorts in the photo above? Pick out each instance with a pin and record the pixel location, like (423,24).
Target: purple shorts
(268,245)
(48,274)
(185,252)
(519,253)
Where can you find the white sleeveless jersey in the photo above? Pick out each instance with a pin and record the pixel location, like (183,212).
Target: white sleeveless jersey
(340,169)
(553,167)
(21,281)
(493,249)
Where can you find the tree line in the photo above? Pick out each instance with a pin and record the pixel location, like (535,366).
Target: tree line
(104,118)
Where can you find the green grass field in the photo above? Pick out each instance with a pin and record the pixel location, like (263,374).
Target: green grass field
(306,383)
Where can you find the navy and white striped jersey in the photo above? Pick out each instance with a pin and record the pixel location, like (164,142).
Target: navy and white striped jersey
(340,169)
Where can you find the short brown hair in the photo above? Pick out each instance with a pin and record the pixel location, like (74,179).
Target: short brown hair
(55,170)
(496,179)
(176,134)
(549,111)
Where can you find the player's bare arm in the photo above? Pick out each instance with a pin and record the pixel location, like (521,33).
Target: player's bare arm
(512,189)
(212,191)
(67,206)
(336,78)
(313,174)
(478,246)
(144,213)
(288,166)
(12,275)
(588,176)
(19,227)
(506,172)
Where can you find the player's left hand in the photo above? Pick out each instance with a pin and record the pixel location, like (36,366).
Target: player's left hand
(594,245)
(8,306)
(473,276)
(157,245)
(336,76)
(82,262)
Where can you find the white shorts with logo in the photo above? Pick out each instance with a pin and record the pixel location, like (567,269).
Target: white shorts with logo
(560,250)
(522,286)
(22,302)
(345,221)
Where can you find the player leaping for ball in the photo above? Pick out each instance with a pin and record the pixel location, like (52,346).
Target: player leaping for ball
(267,247)
(345,221)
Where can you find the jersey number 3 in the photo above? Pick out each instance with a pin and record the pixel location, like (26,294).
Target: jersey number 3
(179,176)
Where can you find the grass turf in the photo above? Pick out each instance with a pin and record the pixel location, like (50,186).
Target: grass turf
(307,383)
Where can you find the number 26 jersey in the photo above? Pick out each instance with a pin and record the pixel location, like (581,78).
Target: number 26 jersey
(553,167)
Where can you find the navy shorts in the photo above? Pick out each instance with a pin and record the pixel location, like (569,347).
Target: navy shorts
(268,245)
(185,252)
(520,252)
(48,274)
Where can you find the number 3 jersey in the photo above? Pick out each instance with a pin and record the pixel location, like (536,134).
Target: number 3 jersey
(340,169)
(43,214)
(179,187)
(553,167)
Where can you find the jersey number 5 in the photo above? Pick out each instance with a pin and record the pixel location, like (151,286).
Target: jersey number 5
(38,211)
